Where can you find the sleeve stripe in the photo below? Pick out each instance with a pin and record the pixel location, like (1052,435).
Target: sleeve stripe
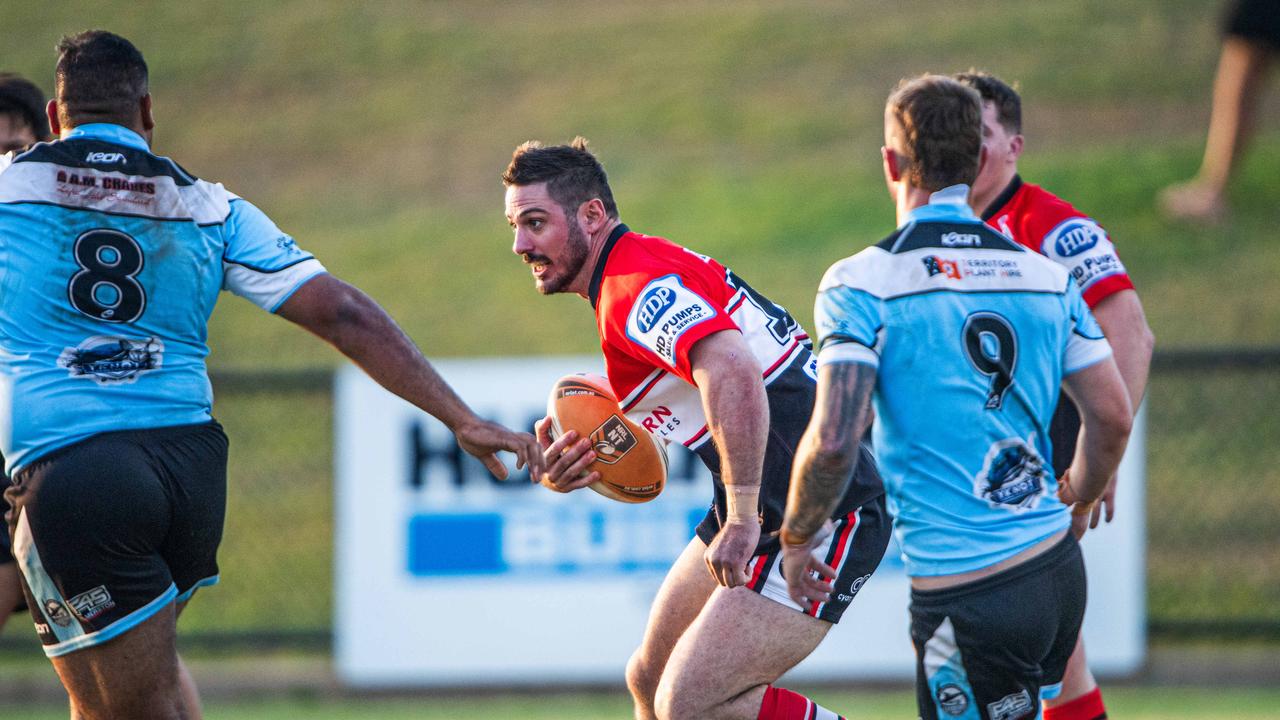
(847,352)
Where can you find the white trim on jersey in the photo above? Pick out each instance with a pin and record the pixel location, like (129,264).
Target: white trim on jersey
(848,352)
(1083,352)
(268,290)
(202,202)
(887,275)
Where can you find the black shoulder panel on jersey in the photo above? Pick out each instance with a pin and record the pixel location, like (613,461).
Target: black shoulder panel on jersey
(957,236)
(887,243)
(103,156)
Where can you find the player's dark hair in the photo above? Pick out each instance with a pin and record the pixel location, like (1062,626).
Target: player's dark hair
(100,78)
(999,93)
(939,131)
(572,173)
(23,101)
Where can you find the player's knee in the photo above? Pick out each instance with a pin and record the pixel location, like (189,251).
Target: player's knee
(671,703)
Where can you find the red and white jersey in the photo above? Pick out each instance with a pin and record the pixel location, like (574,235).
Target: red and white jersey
(654,300)
(1049,225)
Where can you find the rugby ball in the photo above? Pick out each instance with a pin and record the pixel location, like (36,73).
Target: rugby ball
(631,462)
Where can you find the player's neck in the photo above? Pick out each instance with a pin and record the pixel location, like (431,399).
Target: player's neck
(909,198)
(981,202)
(595,248)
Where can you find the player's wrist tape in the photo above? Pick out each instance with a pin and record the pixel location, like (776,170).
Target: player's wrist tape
(742,502)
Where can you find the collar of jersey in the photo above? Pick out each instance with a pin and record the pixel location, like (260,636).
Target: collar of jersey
(115,134)
(949,203)
(597,275)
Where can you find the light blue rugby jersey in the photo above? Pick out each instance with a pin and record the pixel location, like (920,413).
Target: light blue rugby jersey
(111,259)
(972,335)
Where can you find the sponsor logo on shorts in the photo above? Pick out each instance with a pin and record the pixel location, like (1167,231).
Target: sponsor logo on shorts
(108,359)
(612,440)
(1011,707)
(57,612)
(952,699)
(1076,236)
(857,584)
(1012,475)
(653,305)
(92,603)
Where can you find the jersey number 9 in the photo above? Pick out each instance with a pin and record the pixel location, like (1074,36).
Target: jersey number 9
(992,349)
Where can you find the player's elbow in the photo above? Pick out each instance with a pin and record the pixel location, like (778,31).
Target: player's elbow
(833,456)
(347,314)
(1114,420)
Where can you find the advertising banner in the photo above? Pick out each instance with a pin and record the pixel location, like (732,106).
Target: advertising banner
(446,576)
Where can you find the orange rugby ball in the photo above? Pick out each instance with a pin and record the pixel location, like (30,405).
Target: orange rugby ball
(631,462)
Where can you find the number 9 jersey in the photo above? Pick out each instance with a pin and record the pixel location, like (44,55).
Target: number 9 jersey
(971,334)
(111,260)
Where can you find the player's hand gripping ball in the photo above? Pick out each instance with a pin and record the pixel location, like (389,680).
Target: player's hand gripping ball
(631,462)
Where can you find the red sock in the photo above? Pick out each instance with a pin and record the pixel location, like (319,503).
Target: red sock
(1086,707)
(780,704)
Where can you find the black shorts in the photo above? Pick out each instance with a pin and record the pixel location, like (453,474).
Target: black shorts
(995,648)
(1255,20)
(6,550)
(854,550)
(1064,431)
(110,530)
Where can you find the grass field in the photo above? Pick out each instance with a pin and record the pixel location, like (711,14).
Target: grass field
(1127,702)
(375,134)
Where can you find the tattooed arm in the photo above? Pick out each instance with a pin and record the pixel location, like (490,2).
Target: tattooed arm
(821,472)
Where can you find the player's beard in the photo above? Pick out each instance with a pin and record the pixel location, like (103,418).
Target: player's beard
(575,256)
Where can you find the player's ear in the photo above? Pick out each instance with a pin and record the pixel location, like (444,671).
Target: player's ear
(51,111)
(144,107)
(1015,147)
(592,214)
(892,169)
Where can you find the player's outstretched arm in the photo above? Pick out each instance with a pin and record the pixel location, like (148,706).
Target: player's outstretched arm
(1125,324)
(359,328)
(821,471)
(1106,418)
(737,410)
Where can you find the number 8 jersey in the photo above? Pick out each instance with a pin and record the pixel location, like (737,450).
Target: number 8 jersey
(111,260)
(972,335)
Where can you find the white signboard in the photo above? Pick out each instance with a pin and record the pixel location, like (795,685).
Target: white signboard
(445,576)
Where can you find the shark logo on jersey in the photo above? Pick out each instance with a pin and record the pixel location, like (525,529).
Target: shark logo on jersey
(107,359)
(1012,475)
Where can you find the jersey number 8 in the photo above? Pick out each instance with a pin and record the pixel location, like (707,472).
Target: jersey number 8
(105,288)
